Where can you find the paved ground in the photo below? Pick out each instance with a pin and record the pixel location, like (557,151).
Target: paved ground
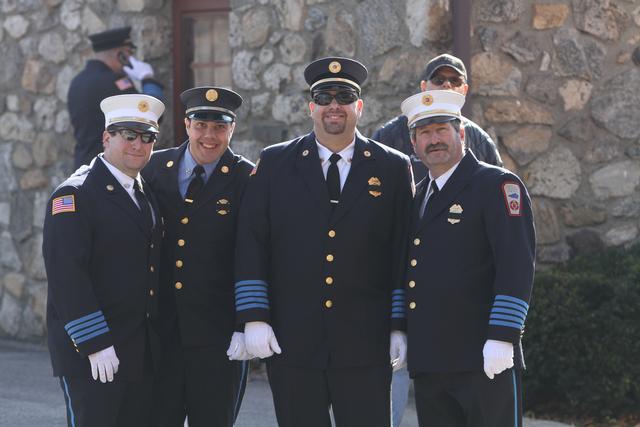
(31,397)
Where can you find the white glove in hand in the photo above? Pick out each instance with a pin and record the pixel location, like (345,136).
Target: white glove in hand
(104,363)
(237,349)
(260,339)
(498,356)
(398,349)
(139,70)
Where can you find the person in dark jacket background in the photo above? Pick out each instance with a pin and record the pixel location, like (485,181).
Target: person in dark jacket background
(111,72)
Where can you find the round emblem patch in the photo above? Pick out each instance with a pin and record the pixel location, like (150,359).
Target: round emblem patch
(514,205)
(335,67)
(427,100)
(211,95)
(143,106)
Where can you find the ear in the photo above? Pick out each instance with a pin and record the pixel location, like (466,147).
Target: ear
(465,89)
(312,107)
(423,85)
(462,132)
(232,127)
(359,105)
(186,122)
(105,138)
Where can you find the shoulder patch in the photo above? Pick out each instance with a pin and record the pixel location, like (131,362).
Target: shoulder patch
(63,204)
(512,198)
(255,168)
(124,83)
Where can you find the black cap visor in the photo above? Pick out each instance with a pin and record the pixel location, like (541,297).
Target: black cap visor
(211,116)
(137,126)
(431,120)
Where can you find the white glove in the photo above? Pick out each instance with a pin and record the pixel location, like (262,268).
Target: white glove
(104,363)
(260,339)
(498,356)
(237,349)
(139,70)
(398,349)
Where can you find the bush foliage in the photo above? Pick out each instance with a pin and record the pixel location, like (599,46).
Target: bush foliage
(582,340)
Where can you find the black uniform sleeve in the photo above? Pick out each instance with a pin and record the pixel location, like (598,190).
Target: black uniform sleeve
(252,248)
(67,247)
(404,197)
(510,229)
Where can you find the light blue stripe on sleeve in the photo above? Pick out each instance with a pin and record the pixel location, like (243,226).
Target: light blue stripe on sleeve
(71,331)
(250,306)
(79,334)
(512,299)
(503,323)
(83,319)
(92,335)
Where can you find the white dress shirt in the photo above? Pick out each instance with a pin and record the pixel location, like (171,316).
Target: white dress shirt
(127,183)
(440,182)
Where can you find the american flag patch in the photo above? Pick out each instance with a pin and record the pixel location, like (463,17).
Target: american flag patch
(124,83)
(63,204)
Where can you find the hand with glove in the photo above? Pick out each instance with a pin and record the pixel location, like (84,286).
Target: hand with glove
(398,349)
(237,349)
(139,70)
(104,363)
(260,339)
(498,356)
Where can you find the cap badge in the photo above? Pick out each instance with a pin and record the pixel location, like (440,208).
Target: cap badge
(427,100)
(211,95)
(335,67)
(374,181)
(143,106)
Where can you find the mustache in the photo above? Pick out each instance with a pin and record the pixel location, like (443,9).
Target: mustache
(438,146)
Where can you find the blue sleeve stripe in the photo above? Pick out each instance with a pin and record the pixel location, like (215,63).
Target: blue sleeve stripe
(512,299)
(83,319)
(250,306)
(251,282)
(245,288)
(507,318)
(510,305)
(397,310)
(92,335)
(251,294)
(515,313)
(397,298)
(241,301)
(398,291)
(503,323)
(398,315)
(397,304)
(83,332)
(86,324)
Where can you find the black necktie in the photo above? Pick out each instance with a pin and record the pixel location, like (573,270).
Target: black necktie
(333,180)
(143,204)
(434,192)
(196,184)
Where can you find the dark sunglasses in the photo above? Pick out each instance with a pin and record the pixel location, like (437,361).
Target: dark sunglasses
(131,135)
(343,97)
(456,81)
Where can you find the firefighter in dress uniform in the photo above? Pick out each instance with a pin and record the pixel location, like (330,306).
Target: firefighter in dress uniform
(319,261)
(101,247)
(469,275)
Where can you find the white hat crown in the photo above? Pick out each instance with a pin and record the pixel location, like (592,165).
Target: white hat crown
(432,103)
(138,108)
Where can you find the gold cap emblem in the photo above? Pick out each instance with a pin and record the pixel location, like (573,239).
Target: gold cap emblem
(211,95)
(143,106)
(374,181)
(335,67)
(427,100)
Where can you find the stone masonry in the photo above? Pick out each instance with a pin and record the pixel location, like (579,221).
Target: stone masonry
(555,82)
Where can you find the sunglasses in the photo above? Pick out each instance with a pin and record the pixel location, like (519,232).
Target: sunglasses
(456,81)
(343,97)
(131,135)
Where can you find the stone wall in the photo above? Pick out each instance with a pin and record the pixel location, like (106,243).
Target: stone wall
(43,44)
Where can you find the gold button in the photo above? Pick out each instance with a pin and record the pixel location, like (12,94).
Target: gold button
(151,269)
(414,262)
(179,263)
(328,303)
(185,220)
(178,285)
(148,315)
(151,292)
(412,284)
(225,169)
(151,246)
(181,242)
(332,233)
(329,257)
(416,241)
(328,280)
(170,163)
(412,305)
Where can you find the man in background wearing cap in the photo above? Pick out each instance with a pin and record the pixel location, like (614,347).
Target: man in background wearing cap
(101,248)
(319,261)
(199,186)
(469,278)
(110,73)
(444,72)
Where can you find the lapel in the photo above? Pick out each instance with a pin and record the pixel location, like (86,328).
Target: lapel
(154,204)
(362,168)
(455,184)
(116,194)
(309,167)
(421,190)
(219,179)
(167,178)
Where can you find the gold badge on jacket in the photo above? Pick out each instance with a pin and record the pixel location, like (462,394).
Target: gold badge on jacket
(223,207)
(374,186)
(455,214)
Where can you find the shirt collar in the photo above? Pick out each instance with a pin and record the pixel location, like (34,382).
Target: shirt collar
(442,179)
(347,153)
(190,163)
(125,180)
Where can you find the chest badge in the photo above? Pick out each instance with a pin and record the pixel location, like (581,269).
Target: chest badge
(223,207)
(374,181)
(456,209)
(375,193)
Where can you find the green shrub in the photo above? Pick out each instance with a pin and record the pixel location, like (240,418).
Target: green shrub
(582,340)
